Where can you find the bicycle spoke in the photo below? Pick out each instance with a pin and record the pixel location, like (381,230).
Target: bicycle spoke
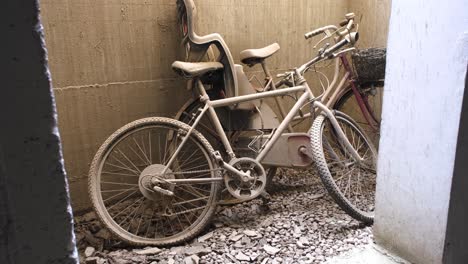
(117,203)
(165,151)
(188,158)
(354,179)
(151,215)
(122,211)
(120,174)
(149,146)
(150,220)
(160,149)
(138,155)
(194,193)
(185,208)
(118,190)
(125,156)
(116,195)
(123,168)
(142,151)
(120,183)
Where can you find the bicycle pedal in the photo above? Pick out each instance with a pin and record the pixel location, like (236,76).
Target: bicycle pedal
(266,197)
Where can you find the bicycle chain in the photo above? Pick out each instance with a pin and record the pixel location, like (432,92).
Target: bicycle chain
(180,173)
(186,172)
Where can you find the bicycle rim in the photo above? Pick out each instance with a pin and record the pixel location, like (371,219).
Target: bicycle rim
(351,184)
(142,217)
(348,104)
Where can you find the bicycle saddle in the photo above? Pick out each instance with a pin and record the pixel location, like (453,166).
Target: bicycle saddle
(195,69)
(254,56)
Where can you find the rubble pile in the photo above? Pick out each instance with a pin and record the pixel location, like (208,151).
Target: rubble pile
(300,224)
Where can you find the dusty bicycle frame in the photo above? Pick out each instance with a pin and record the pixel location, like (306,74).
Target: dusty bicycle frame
(306,97)
(199,46)
(331,98)
(154,181)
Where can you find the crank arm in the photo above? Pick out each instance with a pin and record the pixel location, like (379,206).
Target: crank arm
(194,180)
(242,176)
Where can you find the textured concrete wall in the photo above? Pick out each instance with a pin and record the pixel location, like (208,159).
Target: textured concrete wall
(111,59)
(373,16)
(426,64)
(35,213)
(254,24)
(111,65)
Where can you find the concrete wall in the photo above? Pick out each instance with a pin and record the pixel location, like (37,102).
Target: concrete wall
(373,16)
(111,65)
(111,59)
(254,24)
(36,224)
(426,64)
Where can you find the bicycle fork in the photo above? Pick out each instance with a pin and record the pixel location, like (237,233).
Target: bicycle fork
(339,131)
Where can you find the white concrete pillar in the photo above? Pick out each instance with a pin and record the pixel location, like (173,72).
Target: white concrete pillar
(426,68)
(35,214)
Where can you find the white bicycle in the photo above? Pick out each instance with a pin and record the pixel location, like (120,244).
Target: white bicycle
(157,181)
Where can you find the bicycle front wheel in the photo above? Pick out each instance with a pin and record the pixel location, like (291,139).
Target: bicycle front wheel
(350,183)
(122,168)
(348,104)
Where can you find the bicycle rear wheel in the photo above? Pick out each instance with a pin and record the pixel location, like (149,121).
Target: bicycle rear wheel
(351,184)
(348,104)
(122,167)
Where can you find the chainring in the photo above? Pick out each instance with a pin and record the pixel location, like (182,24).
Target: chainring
(246,189)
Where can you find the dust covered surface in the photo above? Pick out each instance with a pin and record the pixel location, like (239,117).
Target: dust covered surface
(300,224)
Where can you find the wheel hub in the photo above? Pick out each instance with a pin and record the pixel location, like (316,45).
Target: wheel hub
(146,184)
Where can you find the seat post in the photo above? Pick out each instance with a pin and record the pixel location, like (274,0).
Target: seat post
(273,87)
(215,119)
(266,71)
(201,89)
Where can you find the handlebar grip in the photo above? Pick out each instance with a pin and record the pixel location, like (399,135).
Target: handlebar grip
(314,33)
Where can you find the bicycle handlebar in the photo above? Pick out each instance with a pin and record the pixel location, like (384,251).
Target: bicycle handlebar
(351,38)
(319,31)
(343,38)
(348,22)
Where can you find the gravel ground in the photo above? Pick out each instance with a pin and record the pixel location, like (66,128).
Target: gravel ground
(300,224)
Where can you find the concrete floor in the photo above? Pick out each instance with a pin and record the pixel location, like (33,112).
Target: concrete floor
(371,254)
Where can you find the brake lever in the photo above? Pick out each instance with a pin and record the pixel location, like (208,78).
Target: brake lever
(322,50)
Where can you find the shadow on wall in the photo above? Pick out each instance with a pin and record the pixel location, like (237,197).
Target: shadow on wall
(111,65)
(457,230)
